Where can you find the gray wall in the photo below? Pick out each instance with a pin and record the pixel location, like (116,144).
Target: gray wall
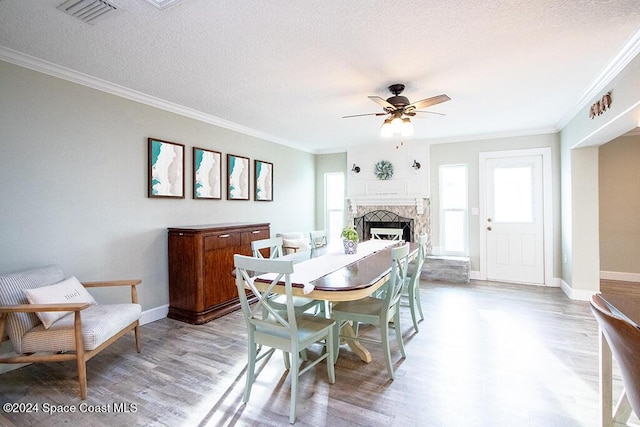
(619,199)
(73,167)
(469,153)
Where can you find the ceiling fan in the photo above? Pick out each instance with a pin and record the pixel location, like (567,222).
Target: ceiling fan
(398,106)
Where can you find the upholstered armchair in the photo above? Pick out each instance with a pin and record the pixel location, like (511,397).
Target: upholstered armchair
(52,319)
(295,241)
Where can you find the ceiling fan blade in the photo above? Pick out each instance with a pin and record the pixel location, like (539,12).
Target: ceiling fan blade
(366,114)
(428,112)
(427,102)
(383,103)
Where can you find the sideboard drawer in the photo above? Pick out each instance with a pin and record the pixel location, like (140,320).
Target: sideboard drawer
(222,240)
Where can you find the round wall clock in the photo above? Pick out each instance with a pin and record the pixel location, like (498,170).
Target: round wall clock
(383,169)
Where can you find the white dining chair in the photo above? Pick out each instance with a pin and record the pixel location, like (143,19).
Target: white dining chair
(386,233)
(378,311)
(411,290)
(318,238)
(286,330)
(274,245)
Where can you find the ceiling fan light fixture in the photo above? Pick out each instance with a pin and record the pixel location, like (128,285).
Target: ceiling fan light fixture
(396,124)
(386,130)
(407,127)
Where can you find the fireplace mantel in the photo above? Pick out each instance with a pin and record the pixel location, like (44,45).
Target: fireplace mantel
(388,200)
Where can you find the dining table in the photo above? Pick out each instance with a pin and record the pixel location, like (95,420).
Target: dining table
(329,274)
(628,308)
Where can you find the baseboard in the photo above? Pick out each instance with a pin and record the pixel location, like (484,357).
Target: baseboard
(154,314)
(474,275)
(621,276)
(579,295)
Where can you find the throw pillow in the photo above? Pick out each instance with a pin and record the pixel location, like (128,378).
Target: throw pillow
(67,291)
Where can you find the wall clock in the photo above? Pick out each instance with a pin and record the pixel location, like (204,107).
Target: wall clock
(383,169)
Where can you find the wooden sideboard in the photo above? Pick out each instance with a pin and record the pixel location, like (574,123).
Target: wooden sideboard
(201,285)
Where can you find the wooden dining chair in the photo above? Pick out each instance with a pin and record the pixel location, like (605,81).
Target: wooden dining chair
(318,238)
(623,337)
(411,290)
(378,311)
(274,245)
(386,233)
(286,330)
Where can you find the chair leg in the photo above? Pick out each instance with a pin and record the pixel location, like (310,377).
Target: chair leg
(418,301)
(336,340)
(330,357)
(384,338)
(251,366)
(81,362)
(412,307)
(285,358)
(136,332)
(396,316)
(294,373)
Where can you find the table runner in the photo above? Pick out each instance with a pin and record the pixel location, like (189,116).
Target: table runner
(307,271)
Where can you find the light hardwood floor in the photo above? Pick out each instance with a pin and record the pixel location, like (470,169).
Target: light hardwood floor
(487,354)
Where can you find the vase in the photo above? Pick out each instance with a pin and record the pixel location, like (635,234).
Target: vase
(350,247)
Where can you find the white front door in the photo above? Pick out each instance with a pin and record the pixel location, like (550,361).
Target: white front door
(514,222)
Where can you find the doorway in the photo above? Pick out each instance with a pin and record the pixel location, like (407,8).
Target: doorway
(515,216)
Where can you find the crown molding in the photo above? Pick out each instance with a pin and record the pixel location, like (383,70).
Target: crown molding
(497,135)
(621,59)
(42,66)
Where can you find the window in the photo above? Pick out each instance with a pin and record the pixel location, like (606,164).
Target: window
(334,204)
(453,209)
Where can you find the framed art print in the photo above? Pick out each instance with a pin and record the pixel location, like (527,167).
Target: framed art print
(207,174)
(263,175)
(237,177)
(166,169)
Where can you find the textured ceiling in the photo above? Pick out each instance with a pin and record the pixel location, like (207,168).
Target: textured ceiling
(289,70)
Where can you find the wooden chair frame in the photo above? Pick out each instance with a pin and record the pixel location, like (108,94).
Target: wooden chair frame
(81,356)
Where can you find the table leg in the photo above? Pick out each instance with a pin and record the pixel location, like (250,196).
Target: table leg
(606,382)
(354,344)
(623,410)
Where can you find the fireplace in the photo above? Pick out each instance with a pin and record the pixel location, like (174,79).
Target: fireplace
(383,219)
(410,214)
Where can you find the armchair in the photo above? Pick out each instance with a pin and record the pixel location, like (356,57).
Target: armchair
(73,331)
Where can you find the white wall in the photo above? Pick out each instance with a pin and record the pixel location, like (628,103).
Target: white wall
(73,167)
(401,157)
(580,214)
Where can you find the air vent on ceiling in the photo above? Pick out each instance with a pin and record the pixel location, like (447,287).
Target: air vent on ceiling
(162,4)
(88,11)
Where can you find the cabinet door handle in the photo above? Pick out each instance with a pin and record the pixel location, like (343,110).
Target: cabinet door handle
(224,236)
(255,231)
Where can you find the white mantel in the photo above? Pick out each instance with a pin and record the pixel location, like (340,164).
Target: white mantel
(388,200)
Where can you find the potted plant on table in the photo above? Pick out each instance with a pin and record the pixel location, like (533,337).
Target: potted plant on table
(350,239)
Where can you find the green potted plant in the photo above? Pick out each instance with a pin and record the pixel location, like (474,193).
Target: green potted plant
(350,239)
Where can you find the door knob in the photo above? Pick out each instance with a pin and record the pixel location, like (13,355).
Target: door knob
(489,228)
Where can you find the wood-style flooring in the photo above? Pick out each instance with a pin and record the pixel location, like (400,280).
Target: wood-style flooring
(487,354)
